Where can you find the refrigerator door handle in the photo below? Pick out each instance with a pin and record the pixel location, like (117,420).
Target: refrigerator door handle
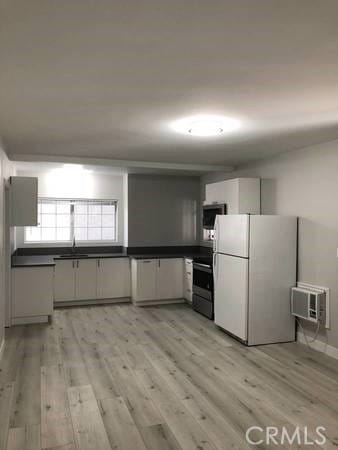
(214,266)
(215,237)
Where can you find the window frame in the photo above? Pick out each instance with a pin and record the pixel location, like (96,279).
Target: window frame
(72,202)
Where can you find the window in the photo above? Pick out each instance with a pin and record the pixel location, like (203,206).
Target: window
(87,220)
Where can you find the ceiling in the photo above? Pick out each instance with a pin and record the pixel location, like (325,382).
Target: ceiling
(105,79)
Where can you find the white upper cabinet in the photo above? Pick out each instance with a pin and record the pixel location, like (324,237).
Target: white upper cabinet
(24,201)
(113,278)
(241,195)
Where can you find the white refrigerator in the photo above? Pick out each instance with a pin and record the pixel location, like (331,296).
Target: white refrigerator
(255,267)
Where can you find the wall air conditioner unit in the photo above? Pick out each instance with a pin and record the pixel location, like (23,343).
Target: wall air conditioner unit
(307,304)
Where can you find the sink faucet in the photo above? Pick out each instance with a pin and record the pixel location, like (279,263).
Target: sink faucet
(74,245)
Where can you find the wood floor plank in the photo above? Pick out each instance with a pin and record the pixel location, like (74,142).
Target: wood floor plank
(120,426)
(50,352)
(24,438)
(142,408)
(12,355)
(185,428)
(204,412)
(159,437)
(75,374)
(64,447)
(102,380)
(56,427)
(90,433)
(6,399)
(26,404)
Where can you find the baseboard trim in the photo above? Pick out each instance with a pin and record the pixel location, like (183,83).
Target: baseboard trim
(319,346)
(2,348)
(98,302)
(158,302)
(29,320)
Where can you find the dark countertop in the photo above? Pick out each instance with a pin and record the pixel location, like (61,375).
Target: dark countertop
(39,257)
(33,261)
(49,260)
(165,255)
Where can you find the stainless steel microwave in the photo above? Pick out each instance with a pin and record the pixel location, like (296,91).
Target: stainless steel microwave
(210,212)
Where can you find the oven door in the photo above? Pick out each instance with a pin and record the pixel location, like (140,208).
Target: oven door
(203,284)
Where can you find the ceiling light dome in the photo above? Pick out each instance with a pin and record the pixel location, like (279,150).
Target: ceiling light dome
(206,125)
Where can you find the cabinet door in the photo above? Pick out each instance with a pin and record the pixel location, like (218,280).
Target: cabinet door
(85,279)
(214,193)
(144,279)
(113,278)
(169,278)
(24,201)
(64,281)
(249,196)
(32,291)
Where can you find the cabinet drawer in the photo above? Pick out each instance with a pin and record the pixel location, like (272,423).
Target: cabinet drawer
(188,263)
(188,273)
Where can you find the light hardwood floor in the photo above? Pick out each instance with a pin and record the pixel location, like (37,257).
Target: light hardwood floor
(157,378)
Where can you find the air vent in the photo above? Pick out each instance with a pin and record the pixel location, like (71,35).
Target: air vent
(307,304)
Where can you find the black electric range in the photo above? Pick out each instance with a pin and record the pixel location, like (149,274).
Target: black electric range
(203,286)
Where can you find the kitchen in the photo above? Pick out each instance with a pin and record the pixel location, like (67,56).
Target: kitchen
(45,276)
(168,229)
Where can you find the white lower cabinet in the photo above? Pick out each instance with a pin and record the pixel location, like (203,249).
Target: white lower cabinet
(85,279)
(169,278)
(32,294)
(157,280)
(64,281)
(143,276)
(91,279)
(113,278)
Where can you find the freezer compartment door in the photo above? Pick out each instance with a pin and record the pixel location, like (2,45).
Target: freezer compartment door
(232,235)
(231,294)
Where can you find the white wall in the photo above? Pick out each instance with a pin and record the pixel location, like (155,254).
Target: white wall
(304,183)
(84,185)
(6,241)
(163,210)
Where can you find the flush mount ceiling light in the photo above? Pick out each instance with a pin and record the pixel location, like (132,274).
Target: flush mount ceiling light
(205,125)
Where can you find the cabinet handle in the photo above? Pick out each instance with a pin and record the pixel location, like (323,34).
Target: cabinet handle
(77,263)
(188,273)
(98,263)
(145,262)
(159,263)
(73,264)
